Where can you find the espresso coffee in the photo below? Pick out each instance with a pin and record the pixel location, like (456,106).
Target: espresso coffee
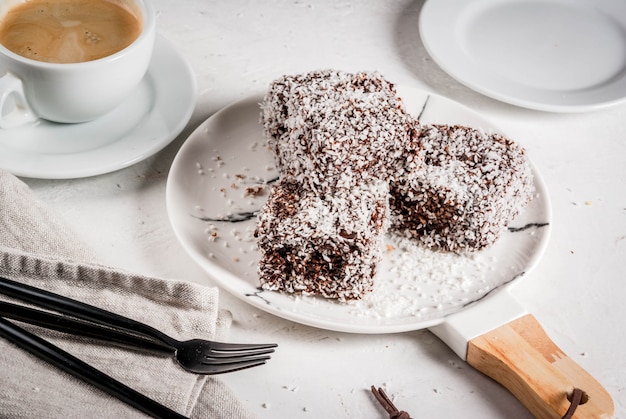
(68,31)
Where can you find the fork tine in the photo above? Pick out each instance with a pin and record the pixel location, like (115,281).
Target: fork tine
(232,367)
(213,353)
(222,346)
(210,360)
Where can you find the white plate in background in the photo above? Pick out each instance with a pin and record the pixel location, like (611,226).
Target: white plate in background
(550,55)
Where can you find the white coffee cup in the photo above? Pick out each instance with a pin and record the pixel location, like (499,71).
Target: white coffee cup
(73,92)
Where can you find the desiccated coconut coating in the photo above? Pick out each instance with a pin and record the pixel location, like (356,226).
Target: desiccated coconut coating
(322,244)
(334,129)
(470,188)
(337,137)
(349,157)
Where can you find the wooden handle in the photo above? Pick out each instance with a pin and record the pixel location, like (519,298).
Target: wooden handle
(521,357)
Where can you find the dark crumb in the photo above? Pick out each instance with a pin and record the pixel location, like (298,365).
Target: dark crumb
(255,191)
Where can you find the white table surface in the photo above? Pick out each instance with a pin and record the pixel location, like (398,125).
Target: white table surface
(577,291)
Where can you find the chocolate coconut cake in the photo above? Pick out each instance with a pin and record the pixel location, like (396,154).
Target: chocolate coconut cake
(322,244)
(470,187)
(335,128)
(352,163)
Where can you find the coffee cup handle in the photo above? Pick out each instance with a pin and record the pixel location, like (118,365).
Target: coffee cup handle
(14,108)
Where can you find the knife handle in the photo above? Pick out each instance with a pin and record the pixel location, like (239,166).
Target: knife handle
(522,357)
(74,366)
(80,327)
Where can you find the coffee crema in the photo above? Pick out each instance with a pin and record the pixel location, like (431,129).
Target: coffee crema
(68,31)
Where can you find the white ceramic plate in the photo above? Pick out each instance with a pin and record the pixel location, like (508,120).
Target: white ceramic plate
(141,126)
(225,155)
(551,55)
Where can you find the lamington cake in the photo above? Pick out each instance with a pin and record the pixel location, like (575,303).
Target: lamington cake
(470,187)
(326,244)
(353,164)
(335,128)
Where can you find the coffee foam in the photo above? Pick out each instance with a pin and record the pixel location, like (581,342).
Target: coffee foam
(68,31)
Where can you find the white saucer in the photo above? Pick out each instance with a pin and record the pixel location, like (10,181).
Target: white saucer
(141,126)
(225,156)
(551,55)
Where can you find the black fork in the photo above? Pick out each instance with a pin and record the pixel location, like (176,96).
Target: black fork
(196,355)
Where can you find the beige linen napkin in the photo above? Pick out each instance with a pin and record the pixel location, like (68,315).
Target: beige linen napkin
(39,249)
